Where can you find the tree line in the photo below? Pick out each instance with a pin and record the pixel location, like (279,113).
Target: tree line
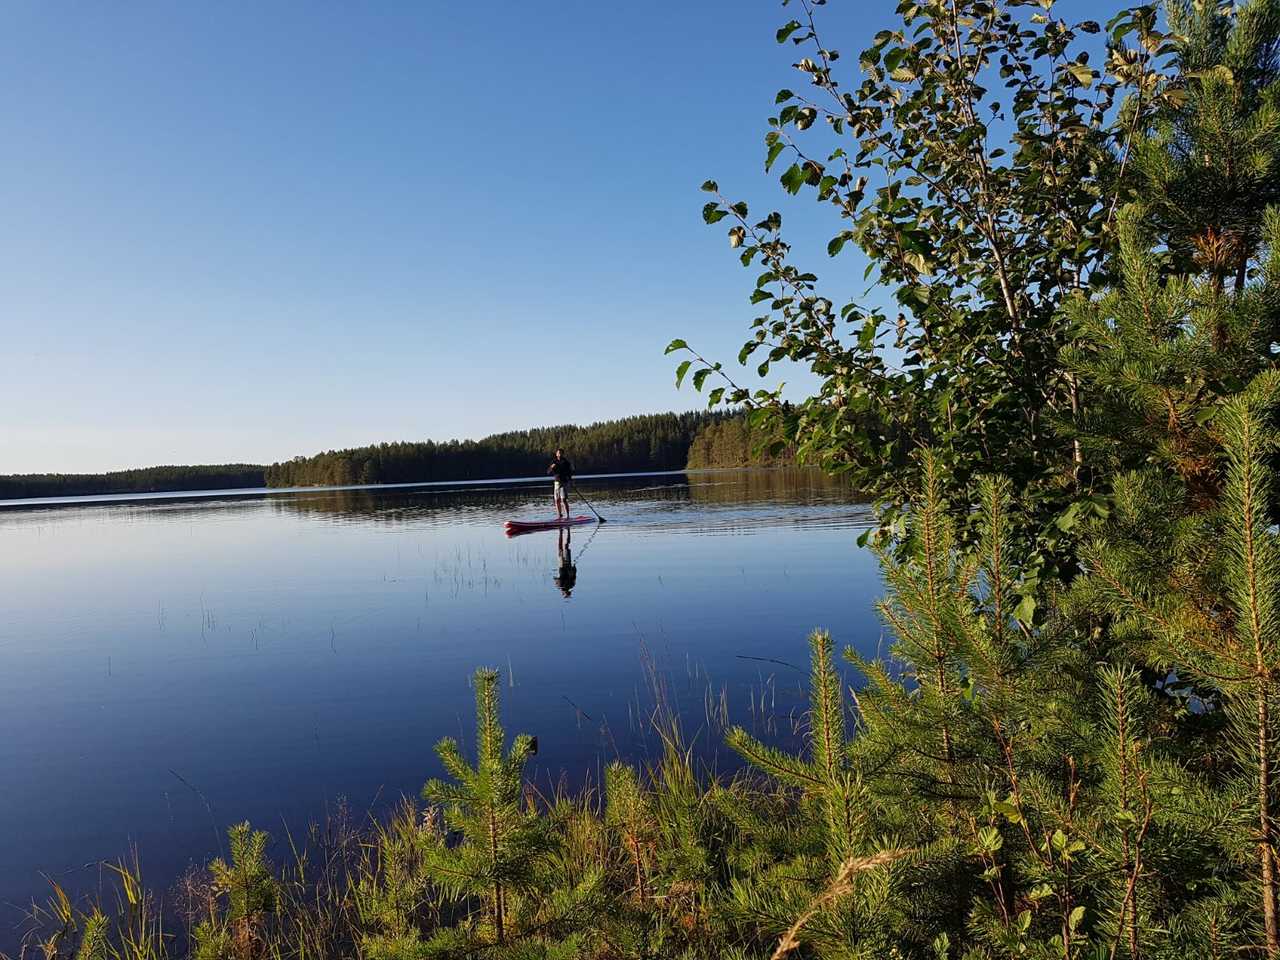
(143,480)
(648,442)
(667,441)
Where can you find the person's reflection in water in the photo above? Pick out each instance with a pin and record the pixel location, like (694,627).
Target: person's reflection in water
(567,577)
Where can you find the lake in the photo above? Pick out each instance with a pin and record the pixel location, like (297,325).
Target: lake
(169,667)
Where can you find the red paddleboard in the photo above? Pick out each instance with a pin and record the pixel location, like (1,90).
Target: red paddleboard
(527,526)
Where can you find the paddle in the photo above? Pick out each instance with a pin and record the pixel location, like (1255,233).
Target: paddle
(593,509)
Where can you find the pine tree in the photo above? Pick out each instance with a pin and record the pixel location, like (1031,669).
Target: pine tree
(251,892)
(1251,660)
(1211,166)
(629,813)
(825,777)
(1194,599)
(391,893)
(500,838)
(970,731)
(503,852)
(1154,355)
(1181,579)
(246,881)
(1025,775)
(827,837)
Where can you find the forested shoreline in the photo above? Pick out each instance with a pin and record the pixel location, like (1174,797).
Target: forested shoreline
(646,442)
(142,480)
(734,442)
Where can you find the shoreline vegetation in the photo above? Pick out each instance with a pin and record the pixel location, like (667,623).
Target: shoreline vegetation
(664,441)
(734,442)
(648,442)
(1068,746)
(485,863)
(229,476)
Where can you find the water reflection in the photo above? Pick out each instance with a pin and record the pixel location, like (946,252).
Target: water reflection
(566,577)
(648,497)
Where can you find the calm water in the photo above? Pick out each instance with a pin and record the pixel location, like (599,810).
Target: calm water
(168,668)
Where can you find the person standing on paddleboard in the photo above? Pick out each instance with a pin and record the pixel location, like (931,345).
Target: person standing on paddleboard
(562,470)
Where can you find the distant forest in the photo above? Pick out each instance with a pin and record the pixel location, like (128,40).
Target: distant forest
(143,480)
(732,442)
(651,442)
(663,441)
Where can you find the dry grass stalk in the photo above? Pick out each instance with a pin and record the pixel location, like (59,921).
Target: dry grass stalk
(841,886)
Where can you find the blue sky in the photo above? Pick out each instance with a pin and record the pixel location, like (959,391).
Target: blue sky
(242,231)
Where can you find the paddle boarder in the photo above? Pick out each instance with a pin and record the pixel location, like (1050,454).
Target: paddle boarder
(562,470)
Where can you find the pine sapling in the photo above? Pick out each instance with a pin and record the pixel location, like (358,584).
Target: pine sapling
(629,813)
(825,775)
(500,840)
(1253,569)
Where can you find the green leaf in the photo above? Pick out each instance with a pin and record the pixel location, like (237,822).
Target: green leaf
(836,244)
(793,179)
(1082,73)
(714,396)
(1008,810)
(1067,520)
(1122,24)
(1125,818)
(1026,609)
(783,96)
(867,336)
(681,371)
(674,345)
(700,377)
(787,30)
(710,186)
(712,213)
(775,148)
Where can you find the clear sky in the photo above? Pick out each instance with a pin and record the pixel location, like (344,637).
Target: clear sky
(238,231)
